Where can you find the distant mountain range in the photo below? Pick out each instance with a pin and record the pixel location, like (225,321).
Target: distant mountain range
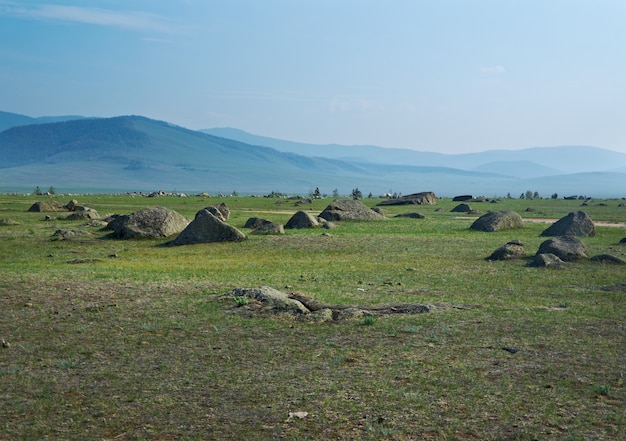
(134,153)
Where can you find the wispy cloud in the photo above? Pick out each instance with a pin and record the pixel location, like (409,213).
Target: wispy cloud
(493,69)
(131,20)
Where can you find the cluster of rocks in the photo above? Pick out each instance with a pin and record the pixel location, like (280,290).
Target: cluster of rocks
(77,211)
(265,299)
(564,246)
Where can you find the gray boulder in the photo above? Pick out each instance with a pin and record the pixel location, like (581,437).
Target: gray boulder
(256,222)
(546,260)
(155,222)
(509,251)
(567,248)
(301,219)
(207,228)
(423,198)
(269,228)
(46,206)
(498,220)
(577,223)
(84,214)
(349,210)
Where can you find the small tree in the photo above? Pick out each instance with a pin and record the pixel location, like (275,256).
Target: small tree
(356,194)
(536,195)
(335,193)
(521,196)
(370,196)
(508,195)
(52,191)
(37,191)
(316,193)
(555,196)
(529,194)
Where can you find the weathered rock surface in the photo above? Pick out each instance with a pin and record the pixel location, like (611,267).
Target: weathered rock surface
(462,198)
(509,251)
(577,223)
(46,206)
(608,258)
(155,222)
(207,228)
(220,211)
(498,220)
(546,260)
(301,219)
(84,214)
(272,299)
(423,198)
(567,248)
(269,228)
(349,210)
(256,222)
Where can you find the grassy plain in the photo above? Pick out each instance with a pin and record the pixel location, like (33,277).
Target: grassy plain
(128,340)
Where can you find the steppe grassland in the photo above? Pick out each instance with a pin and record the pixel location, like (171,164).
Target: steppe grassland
(144,346)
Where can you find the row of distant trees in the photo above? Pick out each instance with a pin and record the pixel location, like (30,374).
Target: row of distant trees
(531,195)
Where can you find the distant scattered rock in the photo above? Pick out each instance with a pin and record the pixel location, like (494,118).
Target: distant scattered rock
(511,250)
(349,210)
(71,234)
(567,248)
(498,220)
(207,228)
(546,260)
(269,228)
(462,198)
(411,215)
(301,219)
(155,222)
(423,198)
(85,214)
(46,206)
(462,208)
(577,223)
(608,259)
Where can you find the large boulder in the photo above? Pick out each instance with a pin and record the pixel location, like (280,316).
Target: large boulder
(349,210)
(423,198)
(498,220)
(301,219)
(577,223)
(207,228)
(567,248)
(509,251)
(155,222)
(46,206)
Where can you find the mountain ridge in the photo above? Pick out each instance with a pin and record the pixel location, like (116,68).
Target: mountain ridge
(129,153)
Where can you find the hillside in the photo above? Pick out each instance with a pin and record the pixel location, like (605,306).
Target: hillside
(134,153)
(8,120)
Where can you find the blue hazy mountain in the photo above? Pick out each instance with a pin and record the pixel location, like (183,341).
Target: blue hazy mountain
(134,153)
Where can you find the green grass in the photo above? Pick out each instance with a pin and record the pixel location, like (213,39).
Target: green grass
(146,346)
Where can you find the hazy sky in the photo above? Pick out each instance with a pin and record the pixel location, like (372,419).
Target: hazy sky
(435,75)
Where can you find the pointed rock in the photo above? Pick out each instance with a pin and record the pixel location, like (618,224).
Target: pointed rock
(207,228)
(577,223)
(301,219)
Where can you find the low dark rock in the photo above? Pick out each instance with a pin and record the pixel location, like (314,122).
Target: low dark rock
(269,228)
(207,228)
(423,198)
(498,220)
(411,215)
(546,260)
(256,222)
(349,210)
(509,251)
(607,258)
(567,248)
(301,219)
(461,208)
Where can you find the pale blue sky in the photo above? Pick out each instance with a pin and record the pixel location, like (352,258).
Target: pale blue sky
(439,75)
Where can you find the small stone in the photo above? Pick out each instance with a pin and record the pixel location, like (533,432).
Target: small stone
(6,344)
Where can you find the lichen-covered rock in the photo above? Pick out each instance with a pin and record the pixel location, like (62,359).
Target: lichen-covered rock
(509,251)
(301,219)
(546,260)
(155,222)
(498,220)
(269,228)
(272,299)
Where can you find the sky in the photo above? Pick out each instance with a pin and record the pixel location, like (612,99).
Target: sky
(448,76)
